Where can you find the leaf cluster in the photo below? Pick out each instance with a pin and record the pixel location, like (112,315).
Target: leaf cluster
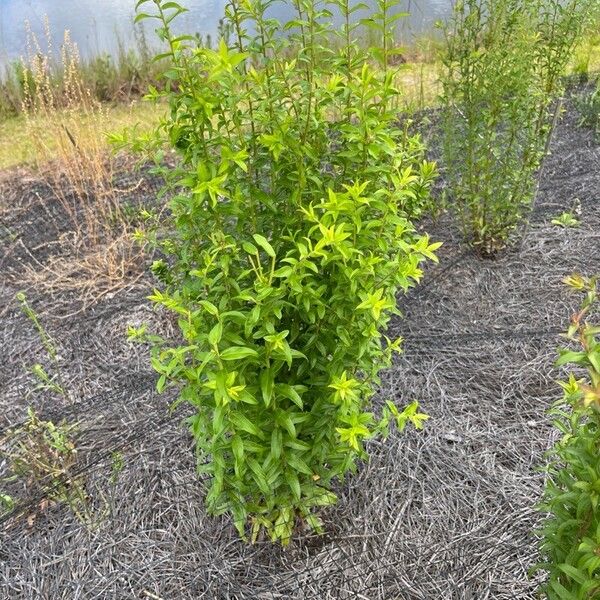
(566,220)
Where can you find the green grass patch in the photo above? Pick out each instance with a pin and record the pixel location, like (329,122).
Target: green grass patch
(16,147)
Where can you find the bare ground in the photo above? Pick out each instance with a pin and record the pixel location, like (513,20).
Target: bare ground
(448,513)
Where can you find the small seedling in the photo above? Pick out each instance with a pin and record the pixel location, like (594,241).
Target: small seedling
(565,220)
(7,502)
(4,230)
(569,218)
(117,466)
(53,383)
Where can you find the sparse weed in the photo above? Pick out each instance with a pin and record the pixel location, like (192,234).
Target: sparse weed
(53,382)
(43,455)
(589,108)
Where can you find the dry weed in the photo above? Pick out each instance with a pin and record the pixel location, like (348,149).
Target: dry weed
(90,272)
(98,256)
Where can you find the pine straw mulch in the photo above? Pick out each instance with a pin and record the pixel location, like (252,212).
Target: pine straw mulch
(448,513)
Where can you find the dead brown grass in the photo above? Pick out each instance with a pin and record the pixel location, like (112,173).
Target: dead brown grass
(98,256)
(91,273)
(79,168)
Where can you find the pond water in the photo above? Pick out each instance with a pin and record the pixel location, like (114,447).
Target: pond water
(99,26)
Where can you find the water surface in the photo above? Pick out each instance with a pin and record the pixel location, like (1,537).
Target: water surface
(98,26)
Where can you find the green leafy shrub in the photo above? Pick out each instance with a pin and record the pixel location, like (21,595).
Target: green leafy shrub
(571,535)
(502,74)
(291,236)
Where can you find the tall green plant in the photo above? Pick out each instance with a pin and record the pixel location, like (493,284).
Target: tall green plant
(291,236)
(571,534)
(502,75)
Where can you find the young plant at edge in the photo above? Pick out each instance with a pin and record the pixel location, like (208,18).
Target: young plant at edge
(571,534)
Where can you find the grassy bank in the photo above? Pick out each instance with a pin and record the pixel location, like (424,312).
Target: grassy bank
(17,147)
(118,84)
(418,80)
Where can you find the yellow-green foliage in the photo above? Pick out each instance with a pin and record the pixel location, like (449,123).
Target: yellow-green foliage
(291,237)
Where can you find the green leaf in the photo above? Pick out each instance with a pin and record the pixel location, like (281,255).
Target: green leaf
(218,422)
(238,353)
(314,523)
(142,16)
(562,591)
(242,422)
(249,248)
(297,463)
(594,358)
(294,483)
(289,392)
(215,335)
(573,573)
(567,356)
(209,307)
(237,447)
(276,443)
(267,382)
(284,526)
(297,445)
(323,497)
(259,476)
(264,244)
(175,5)
(285,421)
